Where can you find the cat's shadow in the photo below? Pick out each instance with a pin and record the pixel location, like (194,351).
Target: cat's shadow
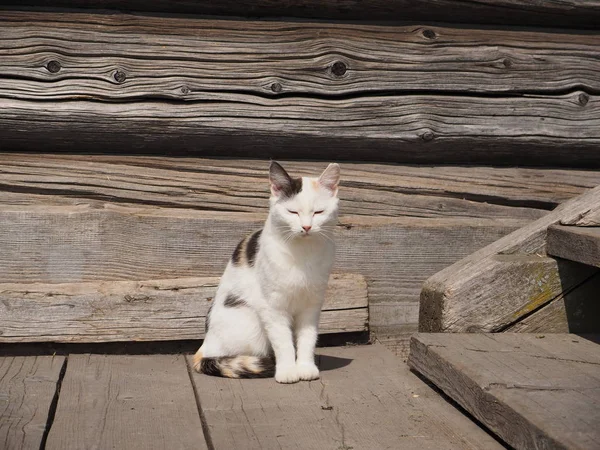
(327,362)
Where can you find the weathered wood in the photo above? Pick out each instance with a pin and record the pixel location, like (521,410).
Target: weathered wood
(27,387)
(533,391)
(198,60)
(330,413)
(574,312)
(240,185)
(124,401)
(590,218)
(414,128)
(153,310)
(459,297)
(581,244)
(565,13)
(44,244)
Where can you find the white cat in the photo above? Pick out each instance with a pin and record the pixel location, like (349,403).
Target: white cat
(272,290)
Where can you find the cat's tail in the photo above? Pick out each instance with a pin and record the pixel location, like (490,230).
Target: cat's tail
(235,366)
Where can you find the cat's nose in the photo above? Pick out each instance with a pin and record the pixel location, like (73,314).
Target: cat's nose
(306,228)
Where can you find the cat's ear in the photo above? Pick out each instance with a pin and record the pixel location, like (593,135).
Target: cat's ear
(281,182)
(330,178)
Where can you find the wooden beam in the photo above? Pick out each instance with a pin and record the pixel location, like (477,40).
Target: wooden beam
(126,401)
(154,310)
(565,13)
(533,391)
(581,244)
(459,298)
(28,385)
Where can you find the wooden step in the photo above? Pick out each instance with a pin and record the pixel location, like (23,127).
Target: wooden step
(533,391)
(581,244)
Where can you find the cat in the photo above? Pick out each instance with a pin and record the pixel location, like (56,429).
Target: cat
(263,321)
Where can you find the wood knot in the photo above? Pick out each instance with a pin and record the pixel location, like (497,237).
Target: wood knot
(339,68)
(429,34)
(427,136)
(184,89)
(276,87)
(119,76)
(53,66)
(583,99)
(507,63)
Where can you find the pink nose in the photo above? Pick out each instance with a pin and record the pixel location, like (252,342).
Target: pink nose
(306,228)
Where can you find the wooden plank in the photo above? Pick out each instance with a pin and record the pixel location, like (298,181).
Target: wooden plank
(565,13)
(44,244)
(459,297)
(409,129)
(589,218)
(126,401)
(185,59)
(532,392)
(153,310)
(235,185)
(27,388)
(403,412)
(581,244)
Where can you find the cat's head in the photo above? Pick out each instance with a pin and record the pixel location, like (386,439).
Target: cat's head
(304,207)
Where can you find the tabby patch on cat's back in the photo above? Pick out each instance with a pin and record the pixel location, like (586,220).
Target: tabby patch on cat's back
(271,293)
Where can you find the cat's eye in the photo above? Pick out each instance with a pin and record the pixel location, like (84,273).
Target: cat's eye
(318,212)
(292,212)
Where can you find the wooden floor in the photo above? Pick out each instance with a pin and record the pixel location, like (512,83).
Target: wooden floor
(533,390)
(367,398)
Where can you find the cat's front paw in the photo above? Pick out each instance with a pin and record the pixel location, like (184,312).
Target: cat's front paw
(307,371)
(286,374)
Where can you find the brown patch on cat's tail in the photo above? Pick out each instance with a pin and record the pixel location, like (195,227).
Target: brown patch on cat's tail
(236,366)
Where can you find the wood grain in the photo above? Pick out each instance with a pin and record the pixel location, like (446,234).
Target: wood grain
(577,311)
(126,401)
(45,244)
(185,59)
(153,310)
(581,244)
(534,391)
(590,218)
(458,298)
(565,13)
(403,412)
(27,387)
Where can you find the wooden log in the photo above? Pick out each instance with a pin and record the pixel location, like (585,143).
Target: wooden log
(126,401)
(423,129)
(563,13)
(581,244)
(240,185)
(154,310)
(43,244)
(330,414)
(113,57)
(458,298)
(28,385)
(576,311)
(533,391)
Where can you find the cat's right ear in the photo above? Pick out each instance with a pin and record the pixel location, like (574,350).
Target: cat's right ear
(279,178)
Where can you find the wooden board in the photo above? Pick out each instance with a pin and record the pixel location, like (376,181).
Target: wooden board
(86,244)
(27,388)
(366,398)
(534,391)
(126,401)
(459,297)
(576,311)
(567,13)
(153,310)
(182,59)
(581,244)
(241,185)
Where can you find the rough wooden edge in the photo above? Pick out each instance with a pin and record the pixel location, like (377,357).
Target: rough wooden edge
(567,13)
(153,310)
(581,244)
(447,291)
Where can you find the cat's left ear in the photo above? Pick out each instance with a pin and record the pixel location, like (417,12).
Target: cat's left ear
(330,178)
